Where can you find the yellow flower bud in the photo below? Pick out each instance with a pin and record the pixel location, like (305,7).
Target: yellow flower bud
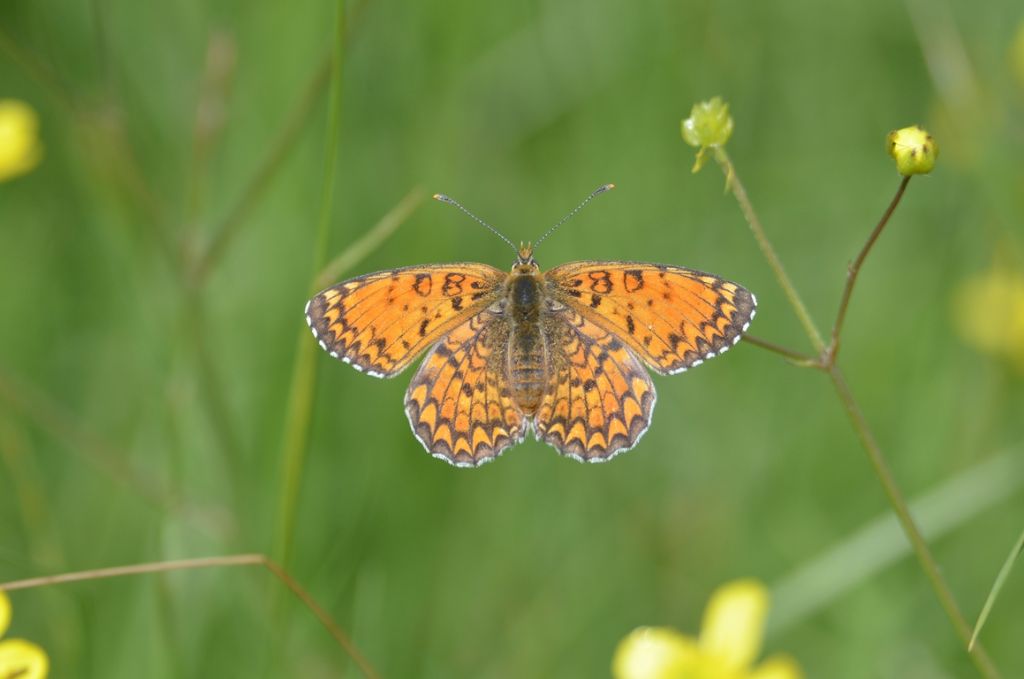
(913,149)
(709,124)
(20,150)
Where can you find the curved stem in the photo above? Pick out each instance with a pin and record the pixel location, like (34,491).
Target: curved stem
(826,362)
(829,357)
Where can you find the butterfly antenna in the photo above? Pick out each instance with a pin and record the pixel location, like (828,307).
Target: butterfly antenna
(451,201)
(597,192)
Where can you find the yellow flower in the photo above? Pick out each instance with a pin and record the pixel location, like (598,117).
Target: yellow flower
(729,643)
(1017,54)
(654,653)
(20,150)
(988,310)
(913,149)
(709,125)
(19,658)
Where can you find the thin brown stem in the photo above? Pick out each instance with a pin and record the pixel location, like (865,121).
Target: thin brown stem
(917,542)
(829,356)
(134,569)
(325,619)
(329,624)
(794,357)
(826,362)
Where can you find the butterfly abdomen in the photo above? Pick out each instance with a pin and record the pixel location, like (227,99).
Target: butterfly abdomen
(527,368)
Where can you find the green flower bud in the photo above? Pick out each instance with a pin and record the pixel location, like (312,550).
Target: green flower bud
(709,125)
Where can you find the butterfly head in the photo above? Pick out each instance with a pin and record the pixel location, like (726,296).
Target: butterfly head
(525,263)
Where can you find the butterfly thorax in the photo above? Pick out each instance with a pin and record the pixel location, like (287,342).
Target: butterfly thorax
(527,367)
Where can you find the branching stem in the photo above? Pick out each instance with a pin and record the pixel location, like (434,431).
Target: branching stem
(826,362)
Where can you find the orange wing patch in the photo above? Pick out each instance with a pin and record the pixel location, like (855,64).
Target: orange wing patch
(381,321)
(459,402)
(672,317)
(599,399)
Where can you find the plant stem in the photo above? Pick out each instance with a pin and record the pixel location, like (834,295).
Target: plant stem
(736,186)
(303,378)
(826,363)
(795,357)
(829,356)
(300,399)
(997,587)
(280,573)
(917,541)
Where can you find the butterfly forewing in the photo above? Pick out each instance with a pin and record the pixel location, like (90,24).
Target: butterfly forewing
(672,317)
(381,321)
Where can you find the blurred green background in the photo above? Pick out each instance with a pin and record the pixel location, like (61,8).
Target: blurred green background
(144,408)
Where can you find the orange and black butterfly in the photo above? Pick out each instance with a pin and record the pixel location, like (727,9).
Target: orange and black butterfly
(560,352)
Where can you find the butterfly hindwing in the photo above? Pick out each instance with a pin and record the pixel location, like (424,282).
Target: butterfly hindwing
(381,321)
(672,317)
(599,398)
(458,403)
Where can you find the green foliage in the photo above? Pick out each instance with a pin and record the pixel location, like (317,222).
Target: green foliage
(144,387)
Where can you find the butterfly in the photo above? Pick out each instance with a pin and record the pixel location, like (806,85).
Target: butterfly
(560,352)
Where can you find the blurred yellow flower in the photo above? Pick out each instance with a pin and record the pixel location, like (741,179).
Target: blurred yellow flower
(709,125)
(913,149)
(20,150)
(988,311)
(729,643)
(19,658)
(1017,54)
(654,653)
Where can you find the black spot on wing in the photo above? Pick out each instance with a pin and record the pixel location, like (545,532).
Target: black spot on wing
(424,283)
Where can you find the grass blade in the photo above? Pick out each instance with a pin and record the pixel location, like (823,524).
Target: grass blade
(997,587)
